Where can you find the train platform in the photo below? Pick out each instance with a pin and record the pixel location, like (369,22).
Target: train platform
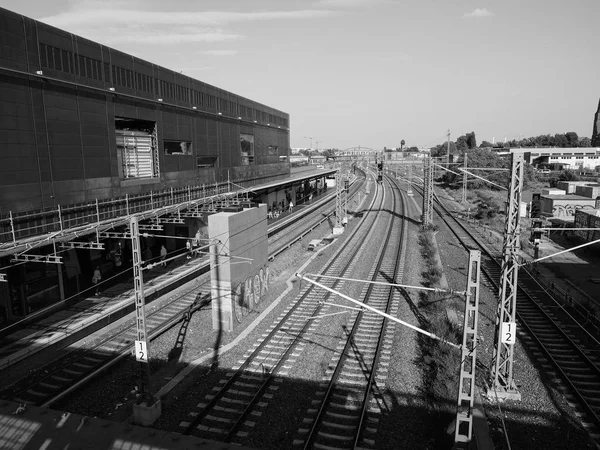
(79,319)
(29,427)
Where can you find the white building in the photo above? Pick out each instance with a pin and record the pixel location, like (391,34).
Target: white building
(574,158)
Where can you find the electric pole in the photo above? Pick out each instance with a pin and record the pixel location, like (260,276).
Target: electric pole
(464,192)
(502,381)
(448,152)
(427,218)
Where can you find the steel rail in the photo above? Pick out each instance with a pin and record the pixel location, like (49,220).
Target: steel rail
(349,245)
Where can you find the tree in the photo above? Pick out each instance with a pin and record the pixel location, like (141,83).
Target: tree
(471,141)
(572,139)
(413,149)
(442,149)
(328,153)
(461,144)
(486,144)
(483,158)
(585,142)
(560,140)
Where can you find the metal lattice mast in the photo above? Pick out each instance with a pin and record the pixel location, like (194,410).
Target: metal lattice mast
(427,218)
(142,344)
(502,362)
(466,389)
(464,192)
(338,199)
(410,173)
(345,193)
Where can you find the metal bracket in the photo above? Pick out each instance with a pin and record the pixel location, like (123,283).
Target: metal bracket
(192,215)
(114,234)
(150,227)
(37,258)
(84,245)
(169,220)
(3,278)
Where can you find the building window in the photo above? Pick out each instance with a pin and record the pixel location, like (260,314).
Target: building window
(247,149)
(177,148)
(137,148)
(203,162)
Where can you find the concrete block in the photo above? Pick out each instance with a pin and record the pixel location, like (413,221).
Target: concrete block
(146,415)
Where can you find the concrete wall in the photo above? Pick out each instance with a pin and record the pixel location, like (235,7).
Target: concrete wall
(239,271)
(564,208)
(590,191)
(570,186)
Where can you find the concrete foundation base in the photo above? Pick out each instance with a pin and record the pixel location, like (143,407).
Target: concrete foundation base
(504,394)
(338,230)
(146,415)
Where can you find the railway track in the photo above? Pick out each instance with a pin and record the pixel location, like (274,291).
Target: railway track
(346,409)
(88,358)
(569,354)
(230,411)
(64,375)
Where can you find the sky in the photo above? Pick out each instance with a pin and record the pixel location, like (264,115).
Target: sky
(369,73)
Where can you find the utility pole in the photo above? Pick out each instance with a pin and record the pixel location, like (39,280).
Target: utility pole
(338,200)
(409,188)
(464,192)
(142,344)
(448,152)
(502,381)
(466,390)
(427,218)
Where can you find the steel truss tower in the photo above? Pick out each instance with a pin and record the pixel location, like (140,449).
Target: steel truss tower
(410,174)
(339,208)
(427,218)
(142,339)
(464,192)
(502,382)
(466,390)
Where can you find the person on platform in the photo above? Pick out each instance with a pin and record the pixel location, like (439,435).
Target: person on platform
(188,246)
(96,278)
(147,255)
(196,244)
(163,255)
(291,206)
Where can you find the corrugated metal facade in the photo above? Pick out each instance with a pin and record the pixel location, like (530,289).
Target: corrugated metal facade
(60,96)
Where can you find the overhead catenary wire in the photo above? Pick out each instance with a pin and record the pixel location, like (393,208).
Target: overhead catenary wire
(375,310)
(422,288)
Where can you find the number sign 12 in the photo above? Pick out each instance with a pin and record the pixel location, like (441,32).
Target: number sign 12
(141,352)
(509,332)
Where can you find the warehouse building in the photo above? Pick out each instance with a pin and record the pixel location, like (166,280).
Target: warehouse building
(87,130)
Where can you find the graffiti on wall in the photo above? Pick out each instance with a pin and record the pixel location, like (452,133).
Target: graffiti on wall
(249,292)
(563,211)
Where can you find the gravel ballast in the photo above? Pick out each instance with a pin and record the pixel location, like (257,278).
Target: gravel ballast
(543,419)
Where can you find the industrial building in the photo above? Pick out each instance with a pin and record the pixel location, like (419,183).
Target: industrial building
(91,133)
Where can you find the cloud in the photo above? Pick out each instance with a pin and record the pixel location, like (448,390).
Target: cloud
(479,12)
(348,3)
(101,15)
(220,52)
(114,22)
